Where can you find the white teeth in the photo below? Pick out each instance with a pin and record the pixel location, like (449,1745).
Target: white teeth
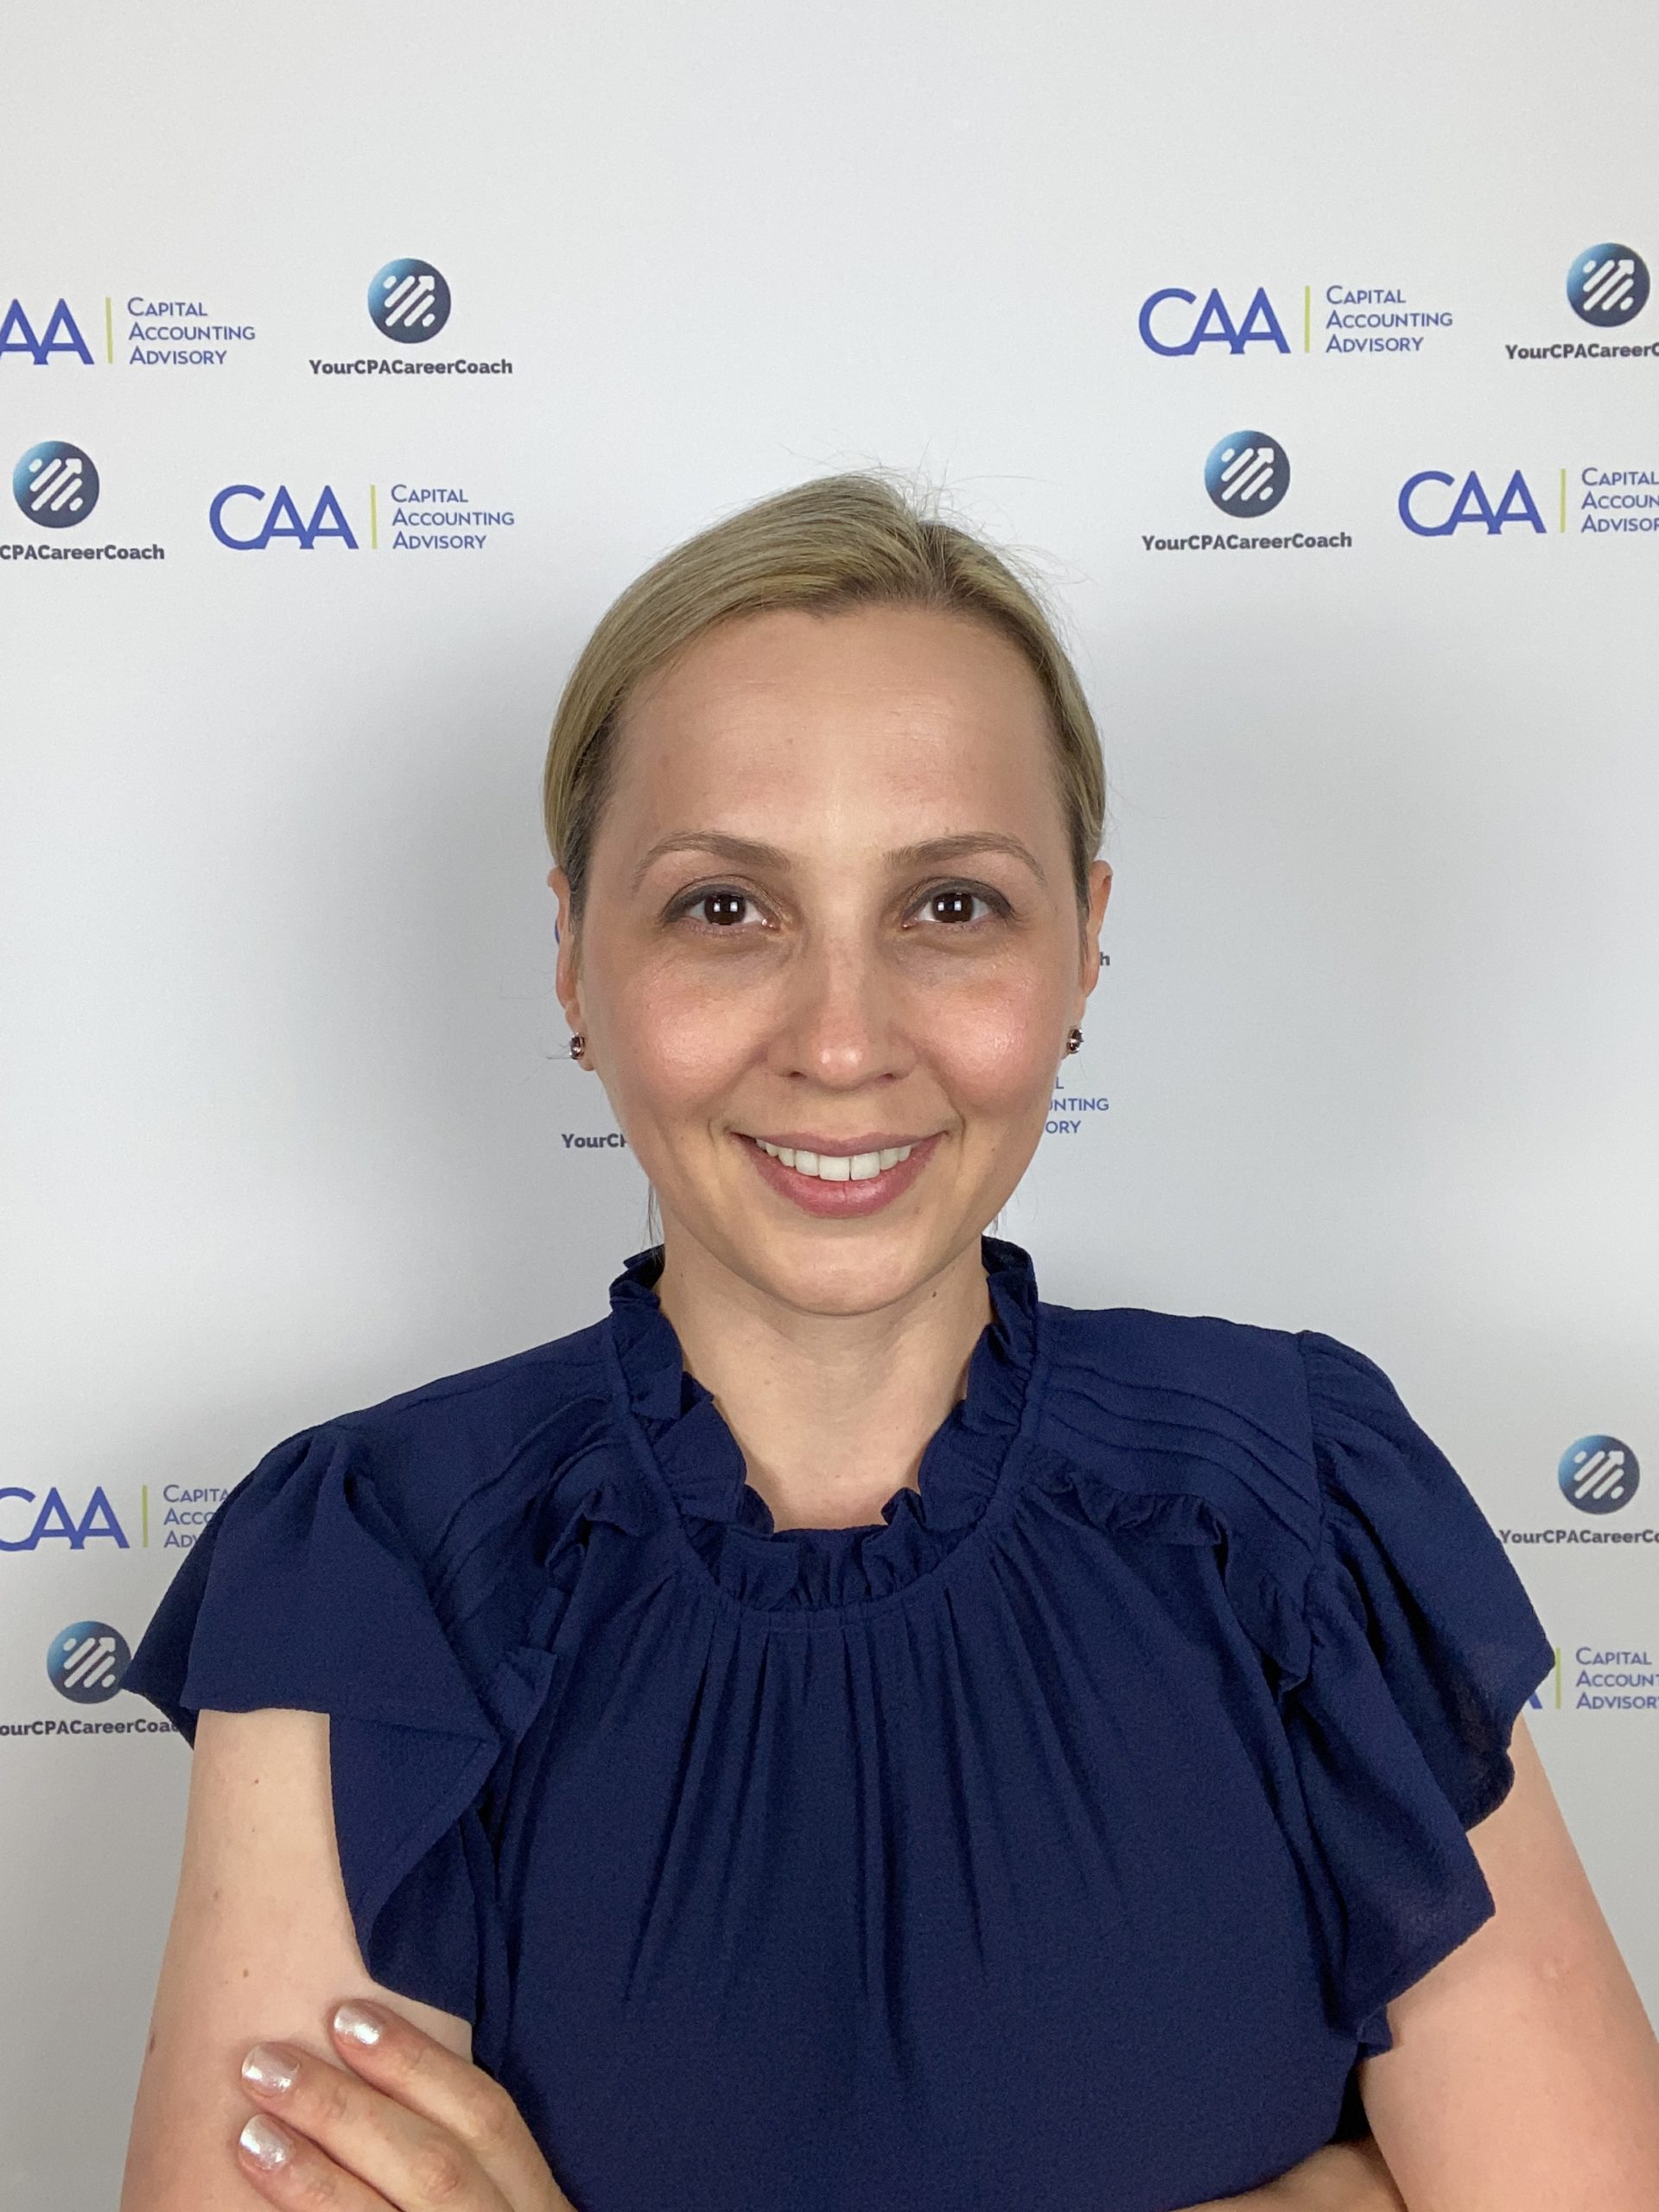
(838,1166)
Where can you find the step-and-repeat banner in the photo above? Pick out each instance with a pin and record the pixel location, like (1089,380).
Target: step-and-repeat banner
(353,357)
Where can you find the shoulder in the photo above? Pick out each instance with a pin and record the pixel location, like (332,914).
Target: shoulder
(479,1440)
(339,1573)
(494,1400)
(1244,1415)
(1138,1348)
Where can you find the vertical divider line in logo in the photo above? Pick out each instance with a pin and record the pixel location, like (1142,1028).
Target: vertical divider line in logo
(1562,524)
(1307,318)
(374,522)
(109,331)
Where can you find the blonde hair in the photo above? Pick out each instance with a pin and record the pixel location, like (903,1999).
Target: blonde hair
(859,539)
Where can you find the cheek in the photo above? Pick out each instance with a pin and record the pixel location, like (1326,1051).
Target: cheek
(684,1038)
(998,1053)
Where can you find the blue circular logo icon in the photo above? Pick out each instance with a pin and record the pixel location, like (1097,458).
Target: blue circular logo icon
(408,300)
(87,1660)
(55,485)
(1608,285)
(1599,1474)
(1246,474)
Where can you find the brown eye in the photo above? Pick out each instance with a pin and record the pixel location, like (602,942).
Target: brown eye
(721,909)
(953,906)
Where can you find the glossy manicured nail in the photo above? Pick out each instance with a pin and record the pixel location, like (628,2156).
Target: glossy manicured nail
(356,2024)
(268,2066)
(266,2143)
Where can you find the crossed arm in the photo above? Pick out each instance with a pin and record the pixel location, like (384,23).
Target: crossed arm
(1525,2073)
(1525,2076)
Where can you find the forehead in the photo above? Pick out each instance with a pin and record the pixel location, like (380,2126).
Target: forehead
(896,699)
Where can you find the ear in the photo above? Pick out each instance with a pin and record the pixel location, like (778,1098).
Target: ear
(564,932)
(1100,890)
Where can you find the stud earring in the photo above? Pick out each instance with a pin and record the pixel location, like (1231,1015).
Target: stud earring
(577,1041)
(1073,1040)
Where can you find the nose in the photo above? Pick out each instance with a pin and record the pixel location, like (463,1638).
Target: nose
(843,1019)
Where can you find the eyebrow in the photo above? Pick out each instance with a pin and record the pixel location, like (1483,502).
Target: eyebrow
(745,852)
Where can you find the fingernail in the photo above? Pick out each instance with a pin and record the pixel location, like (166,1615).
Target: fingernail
(357,2024)
(268,2145)
(268,2066)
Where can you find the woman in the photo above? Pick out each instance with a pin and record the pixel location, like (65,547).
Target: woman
(841,1732)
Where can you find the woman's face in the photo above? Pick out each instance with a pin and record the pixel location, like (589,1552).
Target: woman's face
(830,910)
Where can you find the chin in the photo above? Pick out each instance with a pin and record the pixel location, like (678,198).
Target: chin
(846,1267)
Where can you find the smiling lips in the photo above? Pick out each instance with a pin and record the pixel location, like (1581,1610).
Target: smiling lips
(838,1166)
(877,1169)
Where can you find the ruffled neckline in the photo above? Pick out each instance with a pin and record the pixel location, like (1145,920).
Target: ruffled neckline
(728,1522)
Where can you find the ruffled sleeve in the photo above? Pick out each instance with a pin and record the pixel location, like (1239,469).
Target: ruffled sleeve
(1422,1646)
(301,1591)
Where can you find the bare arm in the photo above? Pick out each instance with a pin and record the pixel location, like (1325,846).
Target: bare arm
(1340,2178)
(1525,2073)
(261,1946)
(1525,2076)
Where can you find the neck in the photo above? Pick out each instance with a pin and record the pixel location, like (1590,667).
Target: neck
(832,1411)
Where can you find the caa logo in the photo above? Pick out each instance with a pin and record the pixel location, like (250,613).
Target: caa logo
(1471,505)
(408,300)
(87,1660)
(1213,325)
(1599,1474)
(1246,474)
(54,1519)
(278,515)
(60,335)
(1608,285)
(55,485)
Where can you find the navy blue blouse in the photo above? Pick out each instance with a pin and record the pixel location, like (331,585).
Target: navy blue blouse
(1057,1840)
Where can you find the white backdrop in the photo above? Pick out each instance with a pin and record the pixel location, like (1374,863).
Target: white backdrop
(291,1130)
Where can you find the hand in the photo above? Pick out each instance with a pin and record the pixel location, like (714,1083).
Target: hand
(410,2126)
